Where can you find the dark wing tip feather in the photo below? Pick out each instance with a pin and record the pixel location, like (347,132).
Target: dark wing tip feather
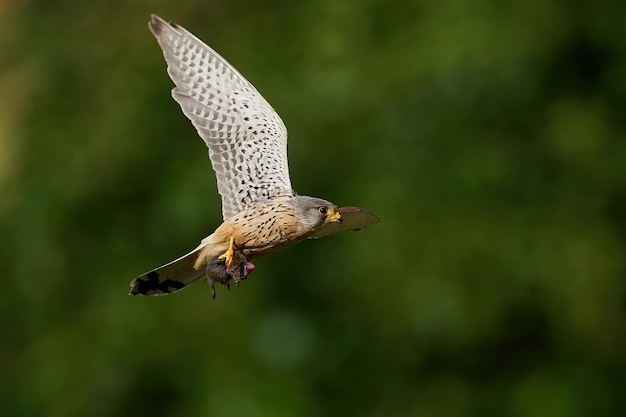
(158,26)
(367,217)
(354,218)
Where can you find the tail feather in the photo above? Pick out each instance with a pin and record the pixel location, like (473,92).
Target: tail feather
(169,278)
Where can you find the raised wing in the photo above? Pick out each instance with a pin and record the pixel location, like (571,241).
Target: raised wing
(246,138)
(354,218)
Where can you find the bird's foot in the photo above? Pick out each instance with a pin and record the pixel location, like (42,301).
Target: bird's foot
(228,255)
(218,271)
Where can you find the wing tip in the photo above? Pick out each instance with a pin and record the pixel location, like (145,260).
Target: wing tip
(158,25)
(351,209)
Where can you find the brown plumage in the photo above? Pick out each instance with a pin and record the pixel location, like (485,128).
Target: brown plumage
(247,144)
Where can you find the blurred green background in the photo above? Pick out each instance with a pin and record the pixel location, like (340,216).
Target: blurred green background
(488,136)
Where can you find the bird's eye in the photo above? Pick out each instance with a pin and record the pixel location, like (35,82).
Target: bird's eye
(322,210)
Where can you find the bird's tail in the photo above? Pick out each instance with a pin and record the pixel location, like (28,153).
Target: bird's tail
(169,278)
(184,271)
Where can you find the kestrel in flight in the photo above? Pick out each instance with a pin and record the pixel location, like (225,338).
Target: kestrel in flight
(247,144)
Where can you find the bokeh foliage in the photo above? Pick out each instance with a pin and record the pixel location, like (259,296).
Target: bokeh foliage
(488,136)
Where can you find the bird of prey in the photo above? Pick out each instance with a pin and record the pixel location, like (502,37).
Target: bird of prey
(247,144)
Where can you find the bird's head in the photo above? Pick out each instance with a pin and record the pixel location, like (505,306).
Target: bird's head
(315,212)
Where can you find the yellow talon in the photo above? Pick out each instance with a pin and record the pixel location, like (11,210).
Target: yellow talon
(228,255)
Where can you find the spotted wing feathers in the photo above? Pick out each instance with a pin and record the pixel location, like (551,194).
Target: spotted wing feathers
(246,138)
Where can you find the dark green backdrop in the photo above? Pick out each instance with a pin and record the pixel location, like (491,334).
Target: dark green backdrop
(488,136)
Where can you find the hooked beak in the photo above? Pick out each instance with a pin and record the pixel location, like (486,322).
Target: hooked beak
(335,218)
